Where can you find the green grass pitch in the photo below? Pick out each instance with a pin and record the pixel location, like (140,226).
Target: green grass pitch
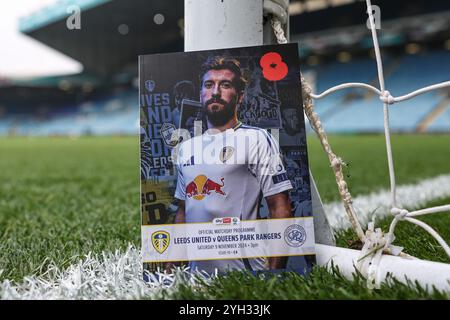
(61,198)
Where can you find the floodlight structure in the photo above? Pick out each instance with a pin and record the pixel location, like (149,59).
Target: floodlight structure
(216,24)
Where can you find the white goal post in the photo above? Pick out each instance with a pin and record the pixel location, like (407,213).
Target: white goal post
(215,24)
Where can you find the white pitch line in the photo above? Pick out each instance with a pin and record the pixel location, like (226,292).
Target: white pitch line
(118,275)
(107,275)
(376,204)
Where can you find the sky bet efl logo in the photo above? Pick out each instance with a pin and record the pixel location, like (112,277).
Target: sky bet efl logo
(202,186)
(226,221)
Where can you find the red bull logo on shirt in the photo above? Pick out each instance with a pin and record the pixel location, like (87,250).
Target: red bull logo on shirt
(202,186)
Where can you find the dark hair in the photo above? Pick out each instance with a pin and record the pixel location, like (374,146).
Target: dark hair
(220,63)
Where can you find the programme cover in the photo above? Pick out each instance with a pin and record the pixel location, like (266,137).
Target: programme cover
(224,166)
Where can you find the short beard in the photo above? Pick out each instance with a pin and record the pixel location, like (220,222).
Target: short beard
(220,118)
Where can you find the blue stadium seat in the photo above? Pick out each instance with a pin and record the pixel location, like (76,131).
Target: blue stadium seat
(347,111)
(442,123)
(362,114)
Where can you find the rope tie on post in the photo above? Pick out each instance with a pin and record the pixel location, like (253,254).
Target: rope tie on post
(335,161)
(278,29)
(370,256)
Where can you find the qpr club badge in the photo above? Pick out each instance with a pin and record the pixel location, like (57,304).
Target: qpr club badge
(295,235)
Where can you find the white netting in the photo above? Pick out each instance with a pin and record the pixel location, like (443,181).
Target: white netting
(375,242)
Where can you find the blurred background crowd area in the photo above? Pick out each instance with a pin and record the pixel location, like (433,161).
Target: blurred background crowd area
(73,82)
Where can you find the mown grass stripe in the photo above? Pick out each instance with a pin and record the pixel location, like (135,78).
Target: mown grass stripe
(118,275)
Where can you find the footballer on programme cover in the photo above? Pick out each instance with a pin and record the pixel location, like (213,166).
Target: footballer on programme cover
(224,167)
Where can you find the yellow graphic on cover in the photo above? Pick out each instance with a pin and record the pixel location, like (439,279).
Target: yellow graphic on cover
(157,203)
(160,241)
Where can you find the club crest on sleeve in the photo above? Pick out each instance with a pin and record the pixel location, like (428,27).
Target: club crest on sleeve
(160,241)
(226,153)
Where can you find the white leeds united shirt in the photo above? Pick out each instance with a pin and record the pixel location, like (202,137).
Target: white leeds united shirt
(227,174)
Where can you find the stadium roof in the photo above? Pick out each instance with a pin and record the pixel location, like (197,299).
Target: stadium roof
(113,32)
(54,13)
(77,80)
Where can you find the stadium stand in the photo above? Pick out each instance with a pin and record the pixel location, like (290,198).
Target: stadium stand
(362,114)
(103,115)
(332,74)
(441,124)
(344,112)
(90,103)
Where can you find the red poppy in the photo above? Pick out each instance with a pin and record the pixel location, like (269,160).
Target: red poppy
(273,67)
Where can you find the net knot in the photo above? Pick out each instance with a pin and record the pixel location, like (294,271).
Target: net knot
(399,214)
(386,97)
